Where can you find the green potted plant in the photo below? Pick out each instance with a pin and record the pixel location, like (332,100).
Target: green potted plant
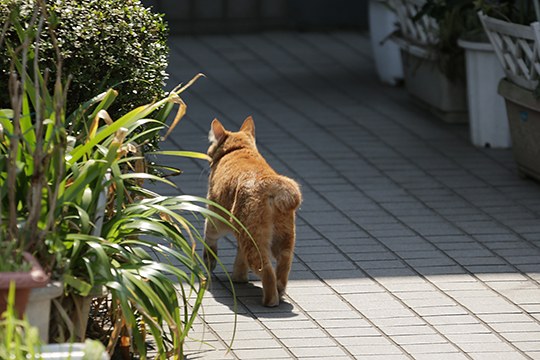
(98,225)
(463,33)
(516,40)
(433,64)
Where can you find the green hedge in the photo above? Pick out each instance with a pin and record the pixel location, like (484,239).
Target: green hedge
(104,43)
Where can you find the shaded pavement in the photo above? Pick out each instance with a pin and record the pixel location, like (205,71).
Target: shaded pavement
(411,243)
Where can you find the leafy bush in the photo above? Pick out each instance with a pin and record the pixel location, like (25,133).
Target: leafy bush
(104,44)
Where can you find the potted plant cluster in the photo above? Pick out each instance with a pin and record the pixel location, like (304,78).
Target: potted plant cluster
(516,40)
(463,32)
(433,64)
(72,192)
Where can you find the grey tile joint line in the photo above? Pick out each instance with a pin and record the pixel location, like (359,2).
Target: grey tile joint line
(426,240)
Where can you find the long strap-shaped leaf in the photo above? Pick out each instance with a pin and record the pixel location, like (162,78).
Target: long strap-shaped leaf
(126,121)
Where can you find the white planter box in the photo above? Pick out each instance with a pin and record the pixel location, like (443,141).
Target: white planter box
(382,23)
(487,114)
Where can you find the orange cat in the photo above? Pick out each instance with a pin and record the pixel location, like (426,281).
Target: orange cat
(265,203)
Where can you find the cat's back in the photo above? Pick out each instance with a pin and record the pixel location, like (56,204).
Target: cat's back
(243,164)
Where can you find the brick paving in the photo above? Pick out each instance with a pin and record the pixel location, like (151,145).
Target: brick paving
(411,243)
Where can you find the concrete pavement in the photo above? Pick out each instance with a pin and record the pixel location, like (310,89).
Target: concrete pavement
(411,243)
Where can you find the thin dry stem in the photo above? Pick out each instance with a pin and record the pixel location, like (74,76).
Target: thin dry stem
(16,104)
(35,196)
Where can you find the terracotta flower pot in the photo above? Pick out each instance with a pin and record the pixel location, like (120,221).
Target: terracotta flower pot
(24,282)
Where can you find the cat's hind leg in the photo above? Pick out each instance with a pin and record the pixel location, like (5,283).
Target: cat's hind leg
(211,237)
(260,262)
(241,267)
(283,248)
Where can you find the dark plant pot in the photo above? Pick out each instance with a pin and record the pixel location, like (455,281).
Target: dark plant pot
(523,111)
(24,283)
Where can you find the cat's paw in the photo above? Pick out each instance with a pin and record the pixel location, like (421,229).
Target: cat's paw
(281,289)
(271,299)
(240,278)
(271,303)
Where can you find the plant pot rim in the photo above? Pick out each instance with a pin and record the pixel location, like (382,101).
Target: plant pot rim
(522,96)
(36,277)
(51,290)
(412,47)
(476,45)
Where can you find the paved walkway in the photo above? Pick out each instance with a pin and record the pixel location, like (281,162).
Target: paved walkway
(412,244)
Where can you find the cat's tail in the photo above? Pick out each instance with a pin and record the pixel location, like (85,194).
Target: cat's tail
(283,193)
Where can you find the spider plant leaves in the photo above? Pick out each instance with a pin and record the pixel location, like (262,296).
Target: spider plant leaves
(77,118)
(86,174)
(103,102)
(6,115)
(146,249)
(182,109)
(188,154)
(82,216)
(82,287)
(146,176)
(27,128)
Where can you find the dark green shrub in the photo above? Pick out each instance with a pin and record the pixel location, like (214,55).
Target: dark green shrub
(104,43)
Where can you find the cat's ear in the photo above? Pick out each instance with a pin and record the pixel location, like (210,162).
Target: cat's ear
(217,132)
(248,126)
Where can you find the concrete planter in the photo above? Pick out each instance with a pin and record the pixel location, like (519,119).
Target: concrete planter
(523,111)
(38,310)
(487,113)
(425,81)
(387,56)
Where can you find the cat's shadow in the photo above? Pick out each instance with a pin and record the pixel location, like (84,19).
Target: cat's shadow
(248,300)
